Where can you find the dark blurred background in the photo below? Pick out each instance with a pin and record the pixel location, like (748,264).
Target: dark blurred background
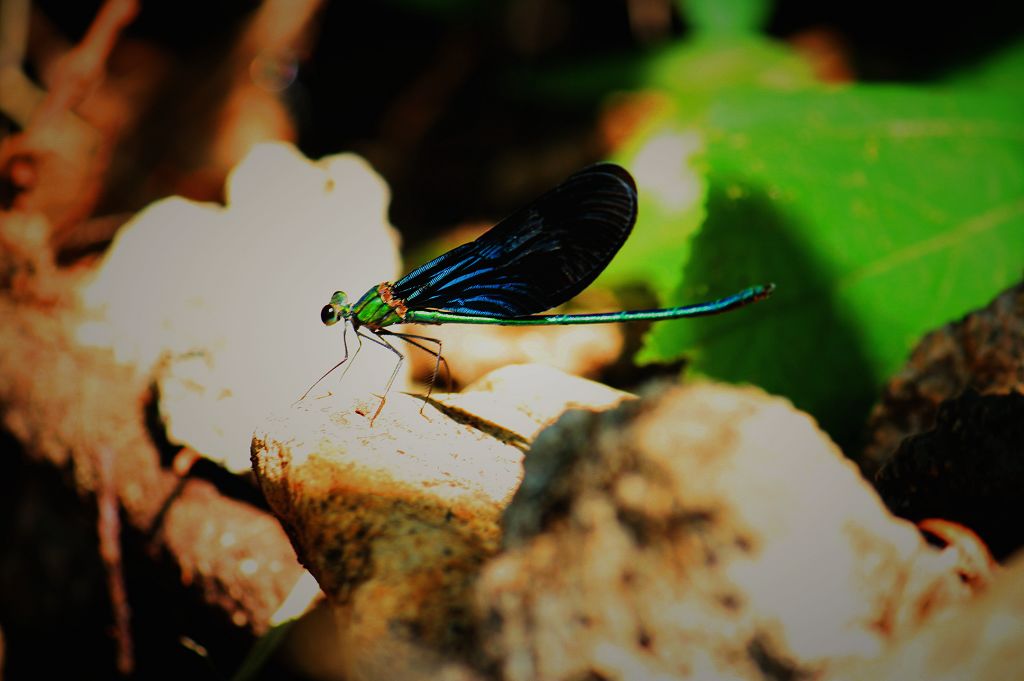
(468,108)
(436,94)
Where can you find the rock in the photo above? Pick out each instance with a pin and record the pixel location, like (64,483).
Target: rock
(981,641)
(984,352)
(229,297)
(473,351)
(526,398)
(394,519)
(969,468)
(703,532)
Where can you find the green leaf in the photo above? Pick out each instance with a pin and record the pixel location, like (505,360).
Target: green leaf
(699,70)
(726,16)
(1003,73)
(666,157)
(667,166)
(880,213)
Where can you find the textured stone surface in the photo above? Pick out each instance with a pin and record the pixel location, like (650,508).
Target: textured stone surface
(706,532)
(394,519)
(969,468)
(474,351)
(983,352)
(981,641)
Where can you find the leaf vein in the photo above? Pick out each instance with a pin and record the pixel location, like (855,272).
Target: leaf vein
(979,224)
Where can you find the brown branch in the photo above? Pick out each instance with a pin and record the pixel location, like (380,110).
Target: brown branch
(58,161)
(109,530)
(66,404)
(14,22)
(82,68)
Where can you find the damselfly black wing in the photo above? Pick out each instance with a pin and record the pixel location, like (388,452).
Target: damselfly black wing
(539,257)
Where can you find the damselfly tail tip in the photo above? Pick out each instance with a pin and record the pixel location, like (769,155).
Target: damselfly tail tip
(766,290)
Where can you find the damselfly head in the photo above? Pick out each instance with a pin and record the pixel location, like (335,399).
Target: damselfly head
(336,310)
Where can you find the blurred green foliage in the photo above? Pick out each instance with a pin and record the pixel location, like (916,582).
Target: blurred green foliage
(725,17)
(881,212)
(667,155)
(1002,73)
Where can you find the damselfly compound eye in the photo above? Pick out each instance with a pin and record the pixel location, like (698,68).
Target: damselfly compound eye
(329,315)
